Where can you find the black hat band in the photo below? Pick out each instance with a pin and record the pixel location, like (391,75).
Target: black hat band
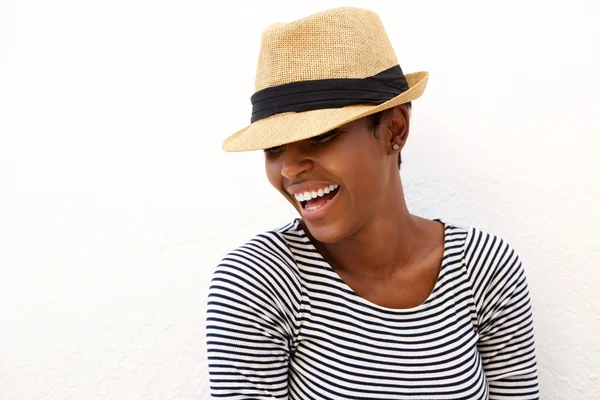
(328,93)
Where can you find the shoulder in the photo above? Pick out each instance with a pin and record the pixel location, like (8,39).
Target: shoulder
(488,256)
(495,274)
(255,286)
(264,262)
(488,259)
(269,248)
(492,268)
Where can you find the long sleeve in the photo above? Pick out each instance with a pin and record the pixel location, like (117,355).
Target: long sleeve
(249,326)
(504,318)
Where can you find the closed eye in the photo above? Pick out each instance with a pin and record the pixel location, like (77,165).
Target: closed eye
(325,137)
(317,139)
(275,150)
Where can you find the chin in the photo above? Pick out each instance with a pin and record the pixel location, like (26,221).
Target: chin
(327,233)
(332,223)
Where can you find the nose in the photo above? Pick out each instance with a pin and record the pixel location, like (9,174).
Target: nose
(296,161)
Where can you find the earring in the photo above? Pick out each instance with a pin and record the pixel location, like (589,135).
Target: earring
(396,146)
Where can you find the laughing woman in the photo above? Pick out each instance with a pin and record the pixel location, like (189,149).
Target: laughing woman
(358,298)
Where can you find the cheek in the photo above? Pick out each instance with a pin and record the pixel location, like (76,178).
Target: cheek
(272,170)
(365,183)
(363,174)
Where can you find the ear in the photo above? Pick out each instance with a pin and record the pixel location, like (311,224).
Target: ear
(397,122)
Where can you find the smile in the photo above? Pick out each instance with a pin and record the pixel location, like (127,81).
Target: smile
(316,203)
(317,193)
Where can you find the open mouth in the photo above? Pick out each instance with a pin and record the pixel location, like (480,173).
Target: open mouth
(319,201)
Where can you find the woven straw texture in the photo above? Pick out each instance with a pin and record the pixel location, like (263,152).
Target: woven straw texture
(338,43)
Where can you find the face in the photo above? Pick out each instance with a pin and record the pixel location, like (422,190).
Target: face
(345,173)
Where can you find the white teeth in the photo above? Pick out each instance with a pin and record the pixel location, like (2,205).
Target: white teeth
(314,194)
(313,208)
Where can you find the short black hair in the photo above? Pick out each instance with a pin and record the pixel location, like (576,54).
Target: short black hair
(376,120)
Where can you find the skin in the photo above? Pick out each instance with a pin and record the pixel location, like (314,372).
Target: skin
(383,252)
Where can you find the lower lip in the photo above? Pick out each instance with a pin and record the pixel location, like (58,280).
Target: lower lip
(320,212)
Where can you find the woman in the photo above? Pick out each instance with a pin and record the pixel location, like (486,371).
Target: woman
(358,298)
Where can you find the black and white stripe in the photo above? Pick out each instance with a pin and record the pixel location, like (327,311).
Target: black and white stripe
(282,324)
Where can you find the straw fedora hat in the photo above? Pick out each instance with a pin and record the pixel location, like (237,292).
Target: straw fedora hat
(320,72)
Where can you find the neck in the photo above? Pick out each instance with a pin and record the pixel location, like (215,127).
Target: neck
(383,244)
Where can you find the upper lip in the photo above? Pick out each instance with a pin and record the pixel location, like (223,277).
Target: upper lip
(308,187)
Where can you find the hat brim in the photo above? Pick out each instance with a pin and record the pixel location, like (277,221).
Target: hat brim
(291,127)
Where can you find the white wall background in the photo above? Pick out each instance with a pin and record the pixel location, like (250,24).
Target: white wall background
(116,202)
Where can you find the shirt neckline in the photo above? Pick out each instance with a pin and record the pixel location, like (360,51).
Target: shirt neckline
(368,303)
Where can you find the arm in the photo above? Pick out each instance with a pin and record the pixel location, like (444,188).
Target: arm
(248,329)
(505,323)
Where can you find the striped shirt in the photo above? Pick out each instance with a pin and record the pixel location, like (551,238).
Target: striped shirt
(282,324)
